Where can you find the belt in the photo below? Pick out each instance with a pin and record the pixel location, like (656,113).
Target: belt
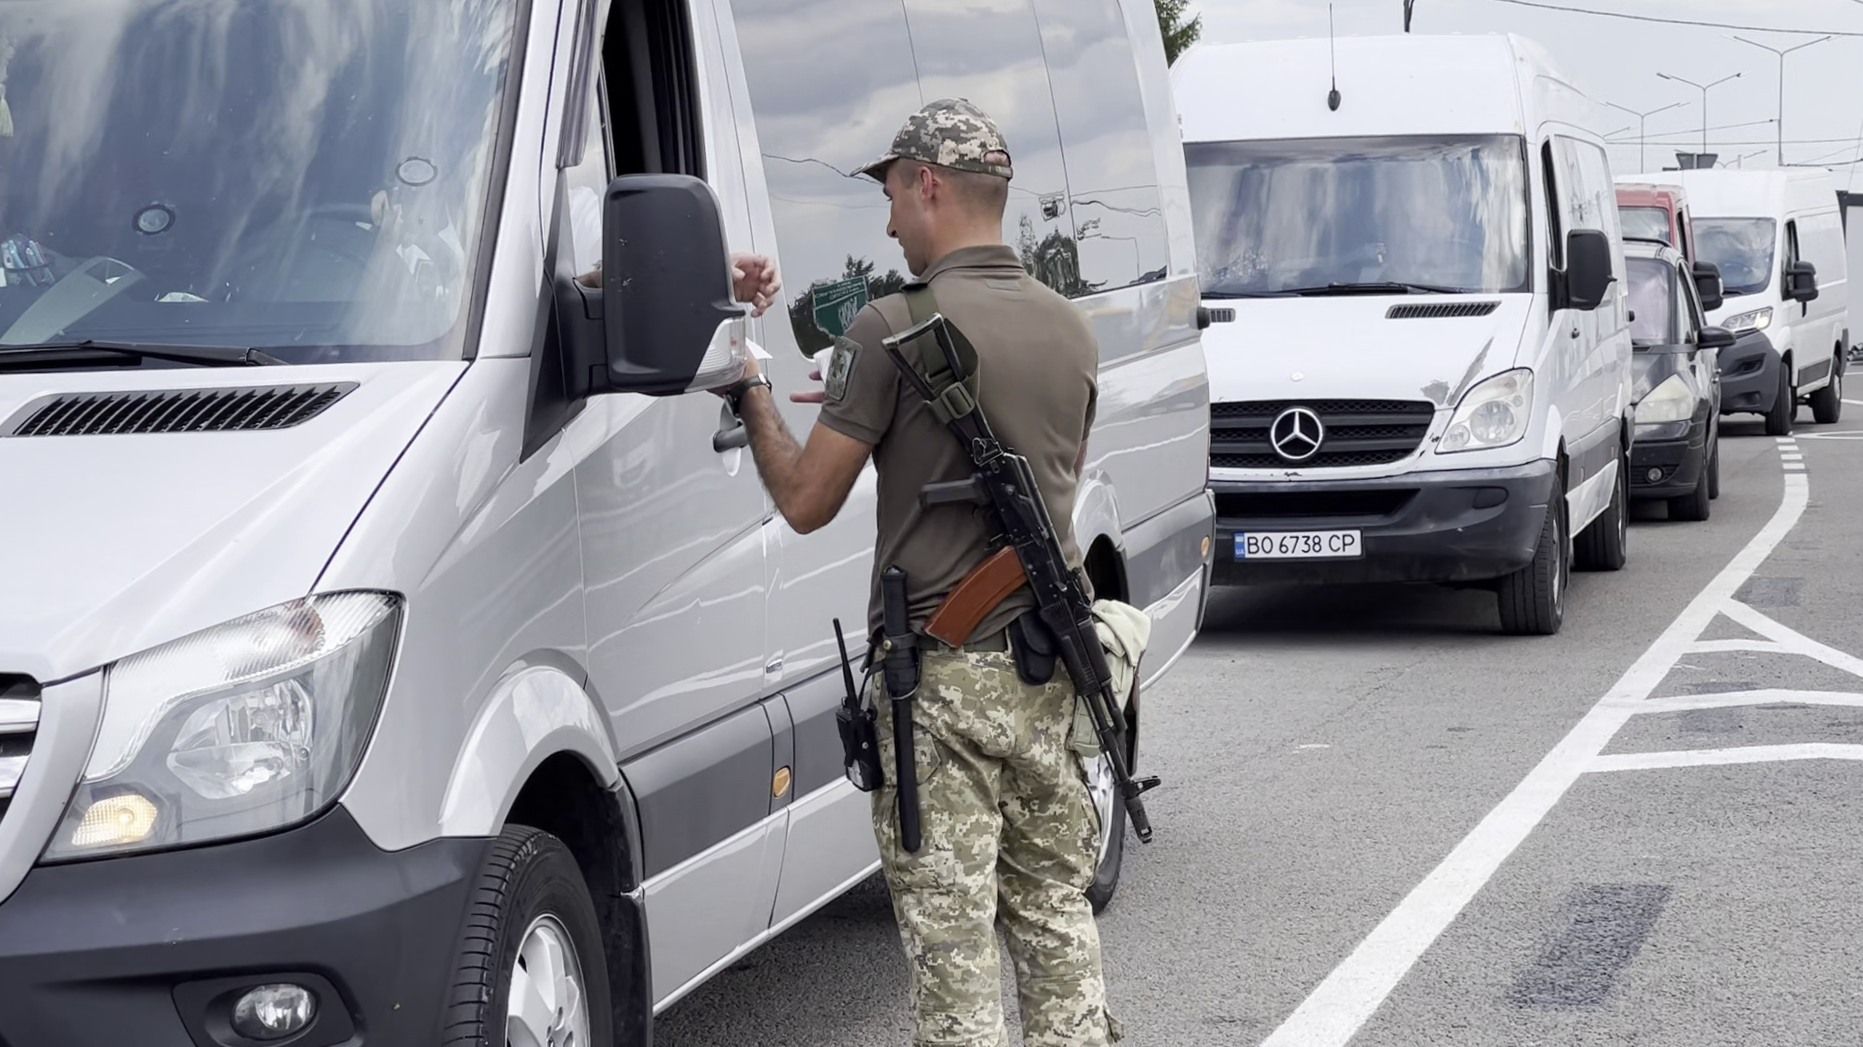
(995,643)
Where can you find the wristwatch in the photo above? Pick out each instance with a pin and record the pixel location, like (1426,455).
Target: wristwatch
(742,389)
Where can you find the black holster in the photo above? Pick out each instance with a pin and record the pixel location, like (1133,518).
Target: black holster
(1033,646)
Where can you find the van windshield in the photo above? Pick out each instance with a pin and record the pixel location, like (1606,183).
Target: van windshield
(1646,223)
(1742,247)
(305,176)
(1274,217)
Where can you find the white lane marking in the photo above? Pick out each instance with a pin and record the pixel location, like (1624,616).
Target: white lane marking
(1837,434)
(1735,647)
(1857,403)
(1792,640)
(1742,700)
(1333,1013)
(1791,456)
(1725,757)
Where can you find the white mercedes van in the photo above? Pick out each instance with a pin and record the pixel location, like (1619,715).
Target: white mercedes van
(1428,379)
(398,647)
(1778,238)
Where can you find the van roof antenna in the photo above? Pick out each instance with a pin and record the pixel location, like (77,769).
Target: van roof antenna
(1333,98)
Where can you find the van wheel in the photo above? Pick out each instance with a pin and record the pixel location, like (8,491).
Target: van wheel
(1532,599)
(1827,404)
(1714,468)
(530,968)
(1605,545)
(1784,406)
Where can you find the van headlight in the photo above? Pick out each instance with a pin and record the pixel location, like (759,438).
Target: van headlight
(245,728)
(1672,401)
(1493,414)
(1757,320)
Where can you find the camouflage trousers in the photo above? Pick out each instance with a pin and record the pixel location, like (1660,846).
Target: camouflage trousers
(1009,833)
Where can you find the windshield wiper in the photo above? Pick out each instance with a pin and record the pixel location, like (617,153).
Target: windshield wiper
(198,355)
(1376,287)
(1227,295)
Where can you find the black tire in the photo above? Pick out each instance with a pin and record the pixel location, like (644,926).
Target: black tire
(1695,506)
(1827,404)
(1532,599)
(528,875)
(1605,545)
(1714,468)
(1112,861)
(1784,405)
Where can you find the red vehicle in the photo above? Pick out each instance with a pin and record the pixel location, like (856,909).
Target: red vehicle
(1660,212)
(1657,212)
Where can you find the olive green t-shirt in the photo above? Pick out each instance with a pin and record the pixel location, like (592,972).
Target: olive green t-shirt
(1037,373)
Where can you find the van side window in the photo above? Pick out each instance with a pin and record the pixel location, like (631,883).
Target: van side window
(1791,243)
(1114,201)
(826,104)
(990,51)
(1555,229)
(1681,235)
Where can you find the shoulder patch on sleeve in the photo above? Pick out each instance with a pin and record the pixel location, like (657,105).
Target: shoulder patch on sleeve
(841,368)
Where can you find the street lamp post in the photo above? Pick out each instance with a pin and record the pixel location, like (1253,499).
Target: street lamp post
(1781,54)
(1643,138)
(1704,89)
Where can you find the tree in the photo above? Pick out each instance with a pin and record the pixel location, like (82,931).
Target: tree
(1178,33)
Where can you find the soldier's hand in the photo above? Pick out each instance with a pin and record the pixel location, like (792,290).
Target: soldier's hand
(811,396)
(754,280)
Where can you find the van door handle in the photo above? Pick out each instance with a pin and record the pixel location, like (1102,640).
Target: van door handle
(732,434)
(734,438)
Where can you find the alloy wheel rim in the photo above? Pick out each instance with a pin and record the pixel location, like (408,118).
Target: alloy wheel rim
(1100,785)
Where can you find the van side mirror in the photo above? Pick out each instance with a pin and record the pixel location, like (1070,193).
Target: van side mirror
(1708,286)
(1801,282)
(1716,338)
(1589,273)
(667,310)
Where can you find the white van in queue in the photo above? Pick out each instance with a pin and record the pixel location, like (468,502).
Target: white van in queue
(1429,378)
(1778,238)
(392,651)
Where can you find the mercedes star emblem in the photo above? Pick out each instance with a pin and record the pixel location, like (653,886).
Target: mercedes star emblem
(1296,434)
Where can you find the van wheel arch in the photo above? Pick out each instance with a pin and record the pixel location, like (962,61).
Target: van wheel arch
(564,798)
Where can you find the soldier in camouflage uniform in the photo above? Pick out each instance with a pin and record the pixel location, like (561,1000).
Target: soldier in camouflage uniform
(1010,830)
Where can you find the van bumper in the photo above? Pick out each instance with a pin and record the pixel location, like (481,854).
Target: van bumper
(147,948)
(1458,526)
(1750,375)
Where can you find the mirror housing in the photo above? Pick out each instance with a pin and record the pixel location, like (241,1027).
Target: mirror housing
(1589,272)
(668,319)
(1716,338)
(1801,282)
(1708,286)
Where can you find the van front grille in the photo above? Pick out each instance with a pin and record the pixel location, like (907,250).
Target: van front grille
(1355,433)
(177,411)
(19,726)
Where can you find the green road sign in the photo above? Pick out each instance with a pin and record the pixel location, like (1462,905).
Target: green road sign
(835,305)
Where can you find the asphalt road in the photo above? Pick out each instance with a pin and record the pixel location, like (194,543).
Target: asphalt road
(1384,824)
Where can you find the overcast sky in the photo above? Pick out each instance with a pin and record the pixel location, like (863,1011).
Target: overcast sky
(1617,61)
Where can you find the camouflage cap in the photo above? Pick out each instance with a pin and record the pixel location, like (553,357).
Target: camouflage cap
(950,132)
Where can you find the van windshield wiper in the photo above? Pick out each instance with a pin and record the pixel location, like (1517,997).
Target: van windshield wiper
(198,355)
(1376,287)
(1227,295)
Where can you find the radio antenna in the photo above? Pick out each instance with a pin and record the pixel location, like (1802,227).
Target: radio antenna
(1332,40)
